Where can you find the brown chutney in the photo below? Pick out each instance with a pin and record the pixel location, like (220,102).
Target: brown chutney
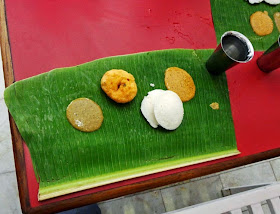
(84,114)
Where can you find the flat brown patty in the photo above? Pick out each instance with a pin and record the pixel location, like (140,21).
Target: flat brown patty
(277,20)
(84,115)
(179,81)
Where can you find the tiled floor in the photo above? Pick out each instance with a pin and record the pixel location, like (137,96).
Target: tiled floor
(191,193)
(9,201)
(155,201)
(196,190)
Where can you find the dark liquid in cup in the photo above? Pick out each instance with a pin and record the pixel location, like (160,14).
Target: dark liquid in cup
(235,48)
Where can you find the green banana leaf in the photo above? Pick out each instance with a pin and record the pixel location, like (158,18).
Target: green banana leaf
(235,15)
(126,146)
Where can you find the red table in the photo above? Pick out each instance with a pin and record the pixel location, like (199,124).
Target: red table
(43,35)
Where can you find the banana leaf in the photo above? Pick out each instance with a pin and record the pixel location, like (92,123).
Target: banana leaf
(235,15)
(126,146)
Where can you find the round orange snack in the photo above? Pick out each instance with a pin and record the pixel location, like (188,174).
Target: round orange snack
(179,81)
(119,85)
(261,23)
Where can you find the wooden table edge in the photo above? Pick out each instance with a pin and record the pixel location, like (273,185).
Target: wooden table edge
(107,194)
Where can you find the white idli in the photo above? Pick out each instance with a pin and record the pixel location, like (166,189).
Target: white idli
(168,110)
(147,106)
(255,1)
(272,2)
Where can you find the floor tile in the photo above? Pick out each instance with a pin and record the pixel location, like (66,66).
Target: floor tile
(6,157)
(9,200)
(145,203)
(192,193)
(4,121)
(2,84)
(6,150)
(276,168)
(253,174)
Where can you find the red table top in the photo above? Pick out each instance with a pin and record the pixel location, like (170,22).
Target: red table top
(49,34)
